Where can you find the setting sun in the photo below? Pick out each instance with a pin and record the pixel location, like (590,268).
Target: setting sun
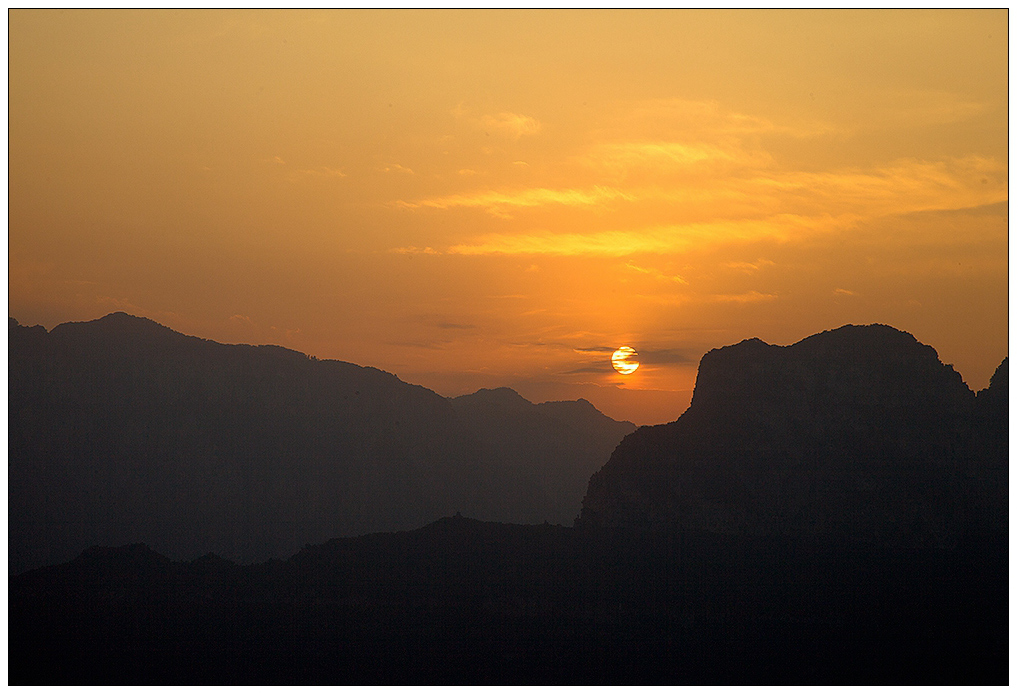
(624,360)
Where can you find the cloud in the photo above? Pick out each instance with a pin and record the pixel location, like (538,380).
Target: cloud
(655,240)
(512,125)
(656,274)
(321,171)
(901,187)
(844,292)
(709,119)
(647,357)
(602,349)
(666,356)
(396,168)
(750,297)
(663,156)
(456,326)
(495,202)
(414,250)
(750,267)
(722,190)
(598,367)
(919,108)
(692,299)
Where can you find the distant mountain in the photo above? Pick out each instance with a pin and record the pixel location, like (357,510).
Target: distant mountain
(122,430)
(859,433)
(542,453)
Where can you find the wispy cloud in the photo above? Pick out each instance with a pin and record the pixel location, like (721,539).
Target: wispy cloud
(396,168)
(750,297)
(656,274)
(901,187)
(656,240)
(924,108)
(669,156)
(601,349)
(514,125)
(414,250)
(750,267)
(667,356)
(322,171)
(688,299)
(497,202)
(594,367)
(712,120)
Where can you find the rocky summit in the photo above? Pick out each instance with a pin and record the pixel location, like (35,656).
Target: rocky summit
(859,433)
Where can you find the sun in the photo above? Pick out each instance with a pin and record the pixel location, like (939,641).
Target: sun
(624,360)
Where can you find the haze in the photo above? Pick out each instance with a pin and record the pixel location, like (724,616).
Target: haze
(503,198)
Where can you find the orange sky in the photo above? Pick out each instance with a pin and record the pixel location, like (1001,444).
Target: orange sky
(483,198)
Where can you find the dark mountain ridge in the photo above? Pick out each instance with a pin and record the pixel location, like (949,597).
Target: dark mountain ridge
(123,430)
(858,432)
(461,601)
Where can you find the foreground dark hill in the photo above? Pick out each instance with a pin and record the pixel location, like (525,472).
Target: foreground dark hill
(858,433)
(122,430)
(465,602)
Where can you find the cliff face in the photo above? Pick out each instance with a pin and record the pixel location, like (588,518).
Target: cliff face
(859,432)
(123,431)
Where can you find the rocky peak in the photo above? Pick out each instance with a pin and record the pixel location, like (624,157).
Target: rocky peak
(856,431)
(854,367)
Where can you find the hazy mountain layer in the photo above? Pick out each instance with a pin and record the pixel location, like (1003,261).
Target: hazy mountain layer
(859,432)
(543,452)
(122,430)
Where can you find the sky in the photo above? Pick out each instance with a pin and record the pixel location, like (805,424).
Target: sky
(491,198)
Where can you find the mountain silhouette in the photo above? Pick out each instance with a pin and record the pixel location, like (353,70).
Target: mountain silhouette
(539,456)
(831,512)
(859,433)
(122,430)
(465,602)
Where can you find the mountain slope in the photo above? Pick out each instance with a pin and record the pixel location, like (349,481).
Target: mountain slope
(122,431)
(544,453)
(859,432)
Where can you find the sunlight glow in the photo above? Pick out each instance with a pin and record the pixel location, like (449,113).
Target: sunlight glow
(624,360)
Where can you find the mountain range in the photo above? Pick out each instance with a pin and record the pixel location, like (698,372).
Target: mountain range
(123,430)
(828,512)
